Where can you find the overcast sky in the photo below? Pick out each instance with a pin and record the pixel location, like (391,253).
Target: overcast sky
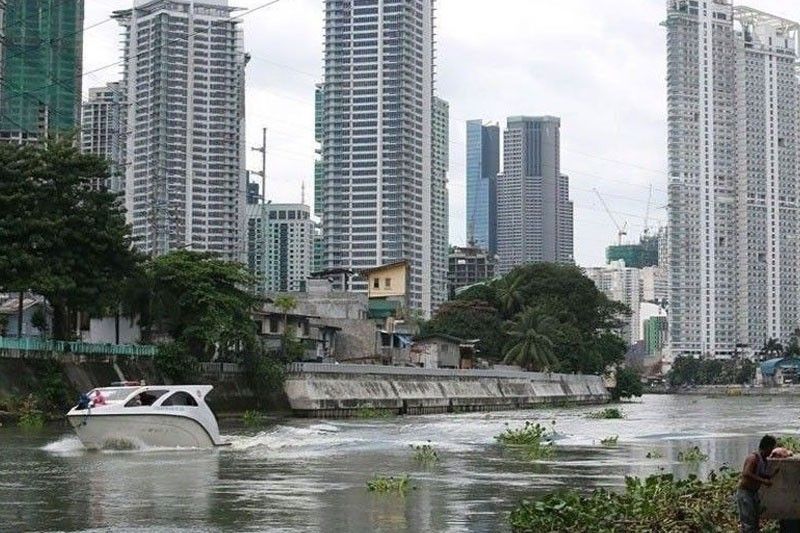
(597,64)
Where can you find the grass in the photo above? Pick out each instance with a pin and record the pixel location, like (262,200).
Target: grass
(389,484)
(609,413)
(692,455)
(252,418)
(610,441)
(535,439)
(425,453)
(372,412)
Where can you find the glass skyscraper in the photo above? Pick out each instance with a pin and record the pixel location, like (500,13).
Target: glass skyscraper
(41,66)
(483,164)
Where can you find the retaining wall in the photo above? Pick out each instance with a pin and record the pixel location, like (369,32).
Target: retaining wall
(324,390)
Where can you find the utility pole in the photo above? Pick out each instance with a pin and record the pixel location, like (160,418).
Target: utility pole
(263,172)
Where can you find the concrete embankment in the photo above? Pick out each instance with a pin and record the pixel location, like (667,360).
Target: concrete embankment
(325,390)
(738,390)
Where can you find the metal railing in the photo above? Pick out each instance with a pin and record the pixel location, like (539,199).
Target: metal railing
(327,368)
(33,344)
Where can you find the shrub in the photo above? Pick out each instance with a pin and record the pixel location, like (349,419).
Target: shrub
(607,413)
(30,417)
(655,454)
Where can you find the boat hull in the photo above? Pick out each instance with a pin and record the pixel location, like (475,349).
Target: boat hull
(103,431)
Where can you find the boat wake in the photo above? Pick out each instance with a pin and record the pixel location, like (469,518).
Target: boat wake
(317,439)
(70,446)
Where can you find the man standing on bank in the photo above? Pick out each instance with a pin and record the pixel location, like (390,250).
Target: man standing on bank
(754,474)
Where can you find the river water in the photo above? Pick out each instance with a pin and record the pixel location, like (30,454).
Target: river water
(310,475)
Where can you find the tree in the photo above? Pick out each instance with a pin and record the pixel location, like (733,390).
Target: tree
(772,348)
(199,301)
(60,236)
(531,346)
(287,303)
(470,319)
(629,384)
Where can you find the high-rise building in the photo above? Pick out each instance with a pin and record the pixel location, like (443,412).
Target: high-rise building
(733,189)
(377,139)
(40,68)
(640,255)
(621,284)
(534,213)
(483,165)
(469,265)
(319,168)
(280,246)
(184,85)
(103,130)
(440,228)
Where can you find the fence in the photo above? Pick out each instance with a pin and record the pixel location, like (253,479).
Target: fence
(302,368)
(32,344)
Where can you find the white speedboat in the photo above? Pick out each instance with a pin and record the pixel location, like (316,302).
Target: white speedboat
(146,416)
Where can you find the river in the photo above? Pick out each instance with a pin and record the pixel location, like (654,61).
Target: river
(309,475)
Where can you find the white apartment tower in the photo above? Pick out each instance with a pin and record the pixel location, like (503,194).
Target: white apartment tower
(440,238)
(378,204)
(280,251)
(184,84)
(733,154)
(103,130)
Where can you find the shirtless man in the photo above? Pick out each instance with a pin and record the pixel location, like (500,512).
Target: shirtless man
(754,474)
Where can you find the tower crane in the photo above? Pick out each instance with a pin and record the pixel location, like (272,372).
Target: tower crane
(622,230)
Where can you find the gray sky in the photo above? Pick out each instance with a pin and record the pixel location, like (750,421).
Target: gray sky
(598,64)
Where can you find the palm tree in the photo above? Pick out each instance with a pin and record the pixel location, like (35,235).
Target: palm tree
(510,294)
(532,347)
(773,348)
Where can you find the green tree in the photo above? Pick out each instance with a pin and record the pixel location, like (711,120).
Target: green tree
(531,346)
(629,384)
(199,301)
(470,319)
(772,348)
(286,304)
(60,236)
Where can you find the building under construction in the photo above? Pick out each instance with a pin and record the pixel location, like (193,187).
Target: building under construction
(41,50)
(641,255)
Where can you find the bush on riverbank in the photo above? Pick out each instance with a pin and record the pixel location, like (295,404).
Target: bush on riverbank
(658,504)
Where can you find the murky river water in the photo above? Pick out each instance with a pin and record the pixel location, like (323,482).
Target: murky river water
(307,475)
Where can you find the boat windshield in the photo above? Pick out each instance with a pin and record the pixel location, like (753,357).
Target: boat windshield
(115,394)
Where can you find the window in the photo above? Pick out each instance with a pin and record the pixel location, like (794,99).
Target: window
(376,283)
(273,324)
(145,398)
(181,398)
(387,283)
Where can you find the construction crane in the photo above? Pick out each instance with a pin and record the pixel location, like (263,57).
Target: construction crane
(646,231)
(622,230)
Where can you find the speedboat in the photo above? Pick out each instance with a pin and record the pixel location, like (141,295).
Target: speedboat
(132,416)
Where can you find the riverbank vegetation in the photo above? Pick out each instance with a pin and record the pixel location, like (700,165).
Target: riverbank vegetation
(687,371)
(542,316)
(658,504)
(610,442)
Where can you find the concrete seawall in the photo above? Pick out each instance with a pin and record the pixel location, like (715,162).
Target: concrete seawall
(324,390)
